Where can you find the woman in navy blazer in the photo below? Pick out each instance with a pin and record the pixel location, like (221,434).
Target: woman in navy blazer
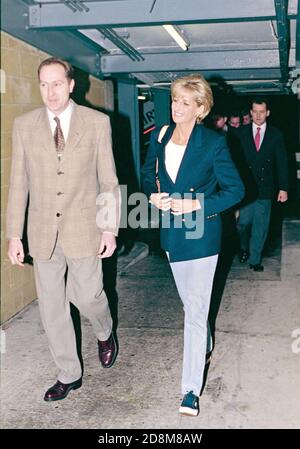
(197,181)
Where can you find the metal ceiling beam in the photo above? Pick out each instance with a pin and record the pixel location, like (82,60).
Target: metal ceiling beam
(173,62)
(295,86)
(298,39)
(65,44)
(283,29)
(121,43)
(136,13)
(226,75)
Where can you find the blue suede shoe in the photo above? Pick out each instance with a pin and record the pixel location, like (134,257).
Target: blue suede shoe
(190,404)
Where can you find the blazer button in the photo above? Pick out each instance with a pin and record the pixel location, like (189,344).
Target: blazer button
(192,189)
(58,214)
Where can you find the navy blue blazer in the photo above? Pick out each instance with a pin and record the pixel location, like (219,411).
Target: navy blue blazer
(206,169)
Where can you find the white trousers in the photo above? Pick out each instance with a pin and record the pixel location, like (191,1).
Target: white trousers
(194,280)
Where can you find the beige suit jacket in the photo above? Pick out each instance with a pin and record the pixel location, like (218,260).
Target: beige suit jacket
(62,196)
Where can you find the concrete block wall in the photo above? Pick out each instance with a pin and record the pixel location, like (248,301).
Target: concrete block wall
(19,94)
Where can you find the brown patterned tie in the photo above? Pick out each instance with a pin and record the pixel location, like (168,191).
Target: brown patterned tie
(59,137)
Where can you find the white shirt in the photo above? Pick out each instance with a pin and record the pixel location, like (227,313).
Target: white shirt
(262,131)
(174,154)
(64,118)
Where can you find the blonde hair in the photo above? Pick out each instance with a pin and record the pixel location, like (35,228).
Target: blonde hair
(201,90)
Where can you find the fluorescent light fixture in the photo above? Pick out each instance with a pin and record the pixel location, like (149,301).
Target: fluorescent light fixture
(141,97)
(177,35)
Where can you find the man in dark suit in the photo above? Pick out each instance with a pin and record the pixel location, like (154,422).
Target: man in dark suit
(263,152)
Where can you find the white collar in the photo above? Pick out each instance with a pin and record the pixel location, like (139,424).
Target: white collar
(262,127)
(66,113)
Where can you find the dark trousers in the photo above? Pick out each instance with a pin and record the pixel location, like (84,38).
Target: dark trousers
(253,228)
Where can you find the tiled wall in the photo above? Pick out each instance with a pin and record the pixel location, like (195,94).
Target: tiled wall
(19,94)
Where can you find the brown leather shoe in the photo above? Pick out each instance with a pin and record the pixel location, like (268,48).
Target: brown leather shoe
(107,351)
(60,390)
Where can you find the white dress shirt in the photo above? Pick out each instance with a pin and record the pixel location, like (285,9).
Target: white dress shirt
(174,154)
(262,131)
(64,118)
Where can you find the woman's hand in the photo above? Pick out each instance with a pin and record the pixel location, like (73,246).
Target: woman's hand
(161,200)
(184,206)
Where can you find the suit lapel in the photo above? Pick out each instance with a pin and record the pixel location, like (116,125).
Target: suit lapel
(45,133)
(266,139)
(76,130)
(186,165)
(163,144)
(250,139)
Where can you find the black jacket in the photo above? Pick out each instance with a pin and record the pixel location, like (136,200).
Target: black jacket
(263,172)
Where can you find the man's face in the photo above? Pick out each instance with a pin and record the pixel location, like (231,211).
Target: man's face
(235,122)
(246,119)
(219,121)
(259,113)
(55,88)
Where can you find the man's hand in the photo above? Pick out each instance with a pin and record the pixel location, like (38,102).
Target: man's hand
(107,246)
(282,196)
(161,200)
(184,206)
(16,252)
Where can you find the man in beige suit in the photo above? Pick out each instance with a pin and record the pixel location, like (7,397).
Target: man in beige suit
(62,158)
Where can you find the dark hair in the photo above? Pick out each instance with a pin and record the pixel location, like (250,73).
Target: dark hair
(260,100)
(50,61)
(218,113)
(245,111)
(234,113)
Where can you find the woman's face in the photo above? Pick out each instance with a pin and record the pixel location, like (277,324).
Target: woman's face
(184,107)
